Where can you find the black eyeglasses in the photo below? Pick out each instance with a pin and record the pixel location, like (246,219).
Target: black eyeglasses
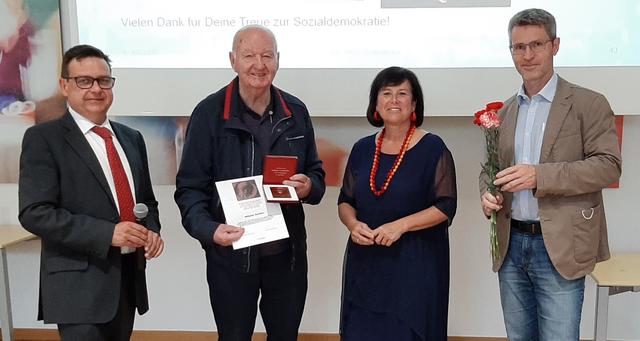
(535,46)
(86,82)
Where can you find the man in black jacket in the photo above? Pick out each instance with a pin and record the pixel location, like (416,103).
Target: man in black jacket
(230,133)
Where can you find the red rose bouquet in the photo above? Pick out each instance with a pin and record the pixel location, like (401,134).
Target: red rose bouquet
(489,120)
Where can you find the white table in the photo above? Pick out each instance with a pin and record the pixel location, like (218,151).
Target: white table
(9,235)
(619,274)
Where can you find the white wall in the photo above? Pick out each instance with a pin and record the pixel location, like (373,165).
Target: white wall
(177,285)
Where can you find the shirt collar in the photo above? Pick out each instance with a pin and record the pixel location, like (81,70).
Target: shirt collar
(85,125)
(548,92)
(245,110)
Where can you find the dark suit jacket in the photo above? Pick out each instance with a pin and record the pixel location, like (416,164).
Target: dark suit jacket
(579,157)
(66,201)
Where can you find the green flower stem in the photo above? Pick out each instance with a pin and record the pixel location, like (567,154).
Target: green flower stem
(491,167)
(493,237)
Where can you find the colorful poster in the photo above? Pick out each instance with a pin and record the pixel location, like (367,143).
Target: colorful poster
(30,57)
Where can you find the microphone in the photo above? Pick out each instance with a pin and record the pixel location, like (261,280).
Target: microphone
(140,210)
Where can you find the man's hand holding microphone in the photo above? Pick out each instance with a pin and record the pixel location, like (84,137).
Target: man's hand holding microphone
(135,235)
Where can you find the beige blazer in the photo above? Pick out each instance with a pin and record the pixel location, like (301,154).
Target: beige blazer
(579,157)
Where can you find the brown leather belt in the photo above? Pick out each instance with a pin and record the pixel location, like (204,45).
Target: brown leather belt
(528,227)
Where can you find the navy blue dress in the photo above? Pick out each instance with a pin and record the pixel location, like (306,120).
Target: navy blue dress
(399,292)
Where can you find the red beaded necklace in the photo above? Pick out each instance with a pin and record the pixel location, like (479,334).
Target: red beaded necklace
(396,163)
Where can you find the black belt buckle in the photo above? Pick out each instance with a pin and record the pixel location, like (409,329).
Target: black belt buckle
(528,227)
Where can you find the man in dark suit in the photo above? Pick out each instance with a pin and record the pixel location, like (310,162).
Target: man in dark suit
(558,150)
(80,176)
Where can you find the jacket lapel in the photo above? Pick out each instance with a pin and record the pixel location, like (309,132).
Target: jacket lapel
(80,145)
(508,133)
(557,114)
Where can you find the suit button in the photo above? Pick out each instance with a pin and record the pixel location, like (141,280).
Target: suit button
(507,215)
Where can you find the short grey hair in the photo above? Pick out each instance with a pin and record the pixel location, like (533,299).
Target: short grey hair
(236,37)
(536,17)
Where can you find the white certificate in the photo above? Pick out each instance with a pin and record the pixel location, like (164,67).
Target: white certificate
(244,205)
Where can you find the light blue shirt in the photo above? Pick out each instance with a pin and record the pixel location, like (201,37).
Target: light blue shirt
(532,120)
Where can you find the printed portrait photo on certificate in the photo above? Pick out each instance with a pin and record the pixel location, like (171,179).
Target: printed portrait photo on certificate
(246,189)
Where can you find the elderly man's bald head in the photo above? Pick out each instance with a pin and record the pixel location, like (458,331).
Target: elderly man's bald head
(255,59)
(239,36)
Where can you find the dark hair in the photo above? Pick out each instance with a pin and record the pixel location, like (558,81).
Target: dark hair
(392,76)
(536,17)
(79,52)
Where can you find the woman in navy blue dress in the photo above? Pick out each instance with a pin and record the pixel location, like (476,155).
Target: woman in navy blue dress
(397,201)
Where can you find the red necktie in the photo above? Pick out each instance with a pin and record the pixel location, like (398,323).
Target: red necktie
(123,191)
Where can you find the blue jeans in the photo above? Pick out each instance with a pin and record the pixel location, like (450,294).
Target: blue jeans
(537,302)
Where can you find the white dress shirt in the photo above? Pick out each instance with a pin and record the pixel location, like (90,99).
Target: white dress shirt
(100,150)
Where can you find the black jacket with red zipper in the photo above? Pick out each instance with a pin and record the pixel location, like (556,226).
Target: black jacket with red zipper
(219,146)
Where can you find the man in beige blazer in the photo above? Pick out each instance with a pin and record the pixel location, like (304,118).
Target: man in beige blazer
(558,150)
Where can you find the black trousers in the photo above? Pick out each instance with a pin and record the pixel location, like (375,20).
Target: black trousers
(118,329)
(279,286)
